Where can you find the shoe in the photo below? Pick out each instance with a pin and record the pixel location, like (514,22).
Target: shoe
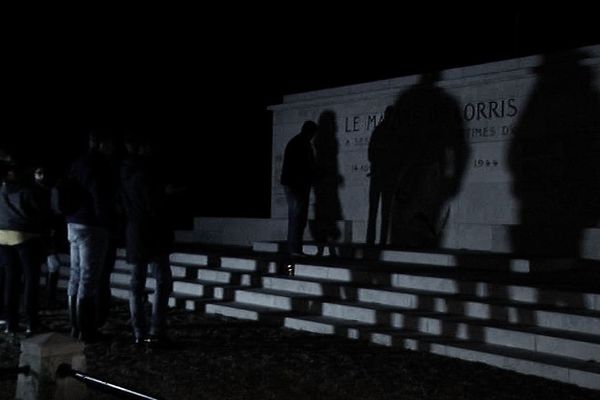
(32,329)
(290,269)
(158,342)
(10,331)
(139,341)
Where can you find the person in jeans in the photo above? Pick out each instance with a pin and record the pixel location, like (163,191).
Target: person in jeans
(88,230)
(148,237)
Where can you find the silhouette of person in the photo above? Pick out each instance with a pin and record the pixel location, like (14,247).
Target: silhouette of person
(88,229)
(555,159)
(433,155)
(24,212)
(384,156)
(297,177)
(148,237)
(327,207)
(5,161)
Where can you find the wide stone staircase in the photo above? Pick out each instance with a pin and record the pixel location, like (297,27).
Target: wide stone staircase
(533,316)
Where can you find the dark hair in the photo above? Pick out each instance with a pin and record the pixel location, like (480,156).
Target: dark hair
(309,127)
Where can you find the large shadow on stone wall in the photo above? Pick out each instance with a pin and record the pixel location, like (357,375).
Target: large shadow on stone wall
(327,207)
(432,157)
(555,159)
(385,168)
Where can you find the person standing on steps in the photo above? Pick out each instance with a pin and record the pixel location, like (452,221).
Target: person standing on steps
(297,176)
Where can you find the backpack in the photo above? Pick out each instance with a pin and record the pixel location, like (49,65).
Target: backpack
(66,197)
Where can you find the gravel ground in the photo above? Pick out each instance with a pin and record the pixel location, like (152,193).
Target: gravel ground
(217,358)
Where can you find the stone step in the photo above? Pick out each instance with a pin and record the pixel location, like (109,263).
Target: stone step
(310,287)
(187,293)
(475,260)
(188,302)
(122,264)
(227,276)
(192,304)
(177,271)
(183,272)
(565,369)
(337,273)
(389,285)
(280,300)
(247,312)
(544,316)
(249,264)
(448,285)
(501,332)
(550,341)
(205,289)
(189,259)
(328,326)
(552,317)
(217,274)
(192,289)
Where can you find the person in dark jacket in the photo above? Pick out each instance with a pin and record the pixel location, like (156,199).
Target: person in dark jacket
(148,237)
(297,177)
(88,230)
(24,212)
(4,166)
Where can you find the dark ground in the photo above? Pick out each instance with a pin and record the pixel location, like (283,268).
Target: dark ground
(216,358)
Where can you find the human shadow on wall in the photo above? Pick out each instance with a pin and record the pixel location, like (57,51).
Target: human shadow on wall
(385,164)
(555,161)
(327,207)
(432,154)
(554,158)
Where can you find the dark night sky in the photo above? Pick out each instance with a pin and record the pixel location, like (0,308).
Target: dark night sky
(202,88)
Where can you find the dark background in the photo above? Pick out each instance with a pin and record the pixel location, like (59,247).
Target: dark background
(200,82)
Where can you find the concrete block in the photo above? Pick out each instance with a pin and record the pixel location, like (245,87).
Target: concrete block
(579,349)
(413,257)
(190,259)
(228,310)
(350,312)
(303,324)
(590,380)
(43,354)
(213,275)
(192,288)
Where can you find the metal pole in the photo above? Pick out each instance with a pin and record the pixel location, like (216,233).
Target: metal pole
(65,370)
